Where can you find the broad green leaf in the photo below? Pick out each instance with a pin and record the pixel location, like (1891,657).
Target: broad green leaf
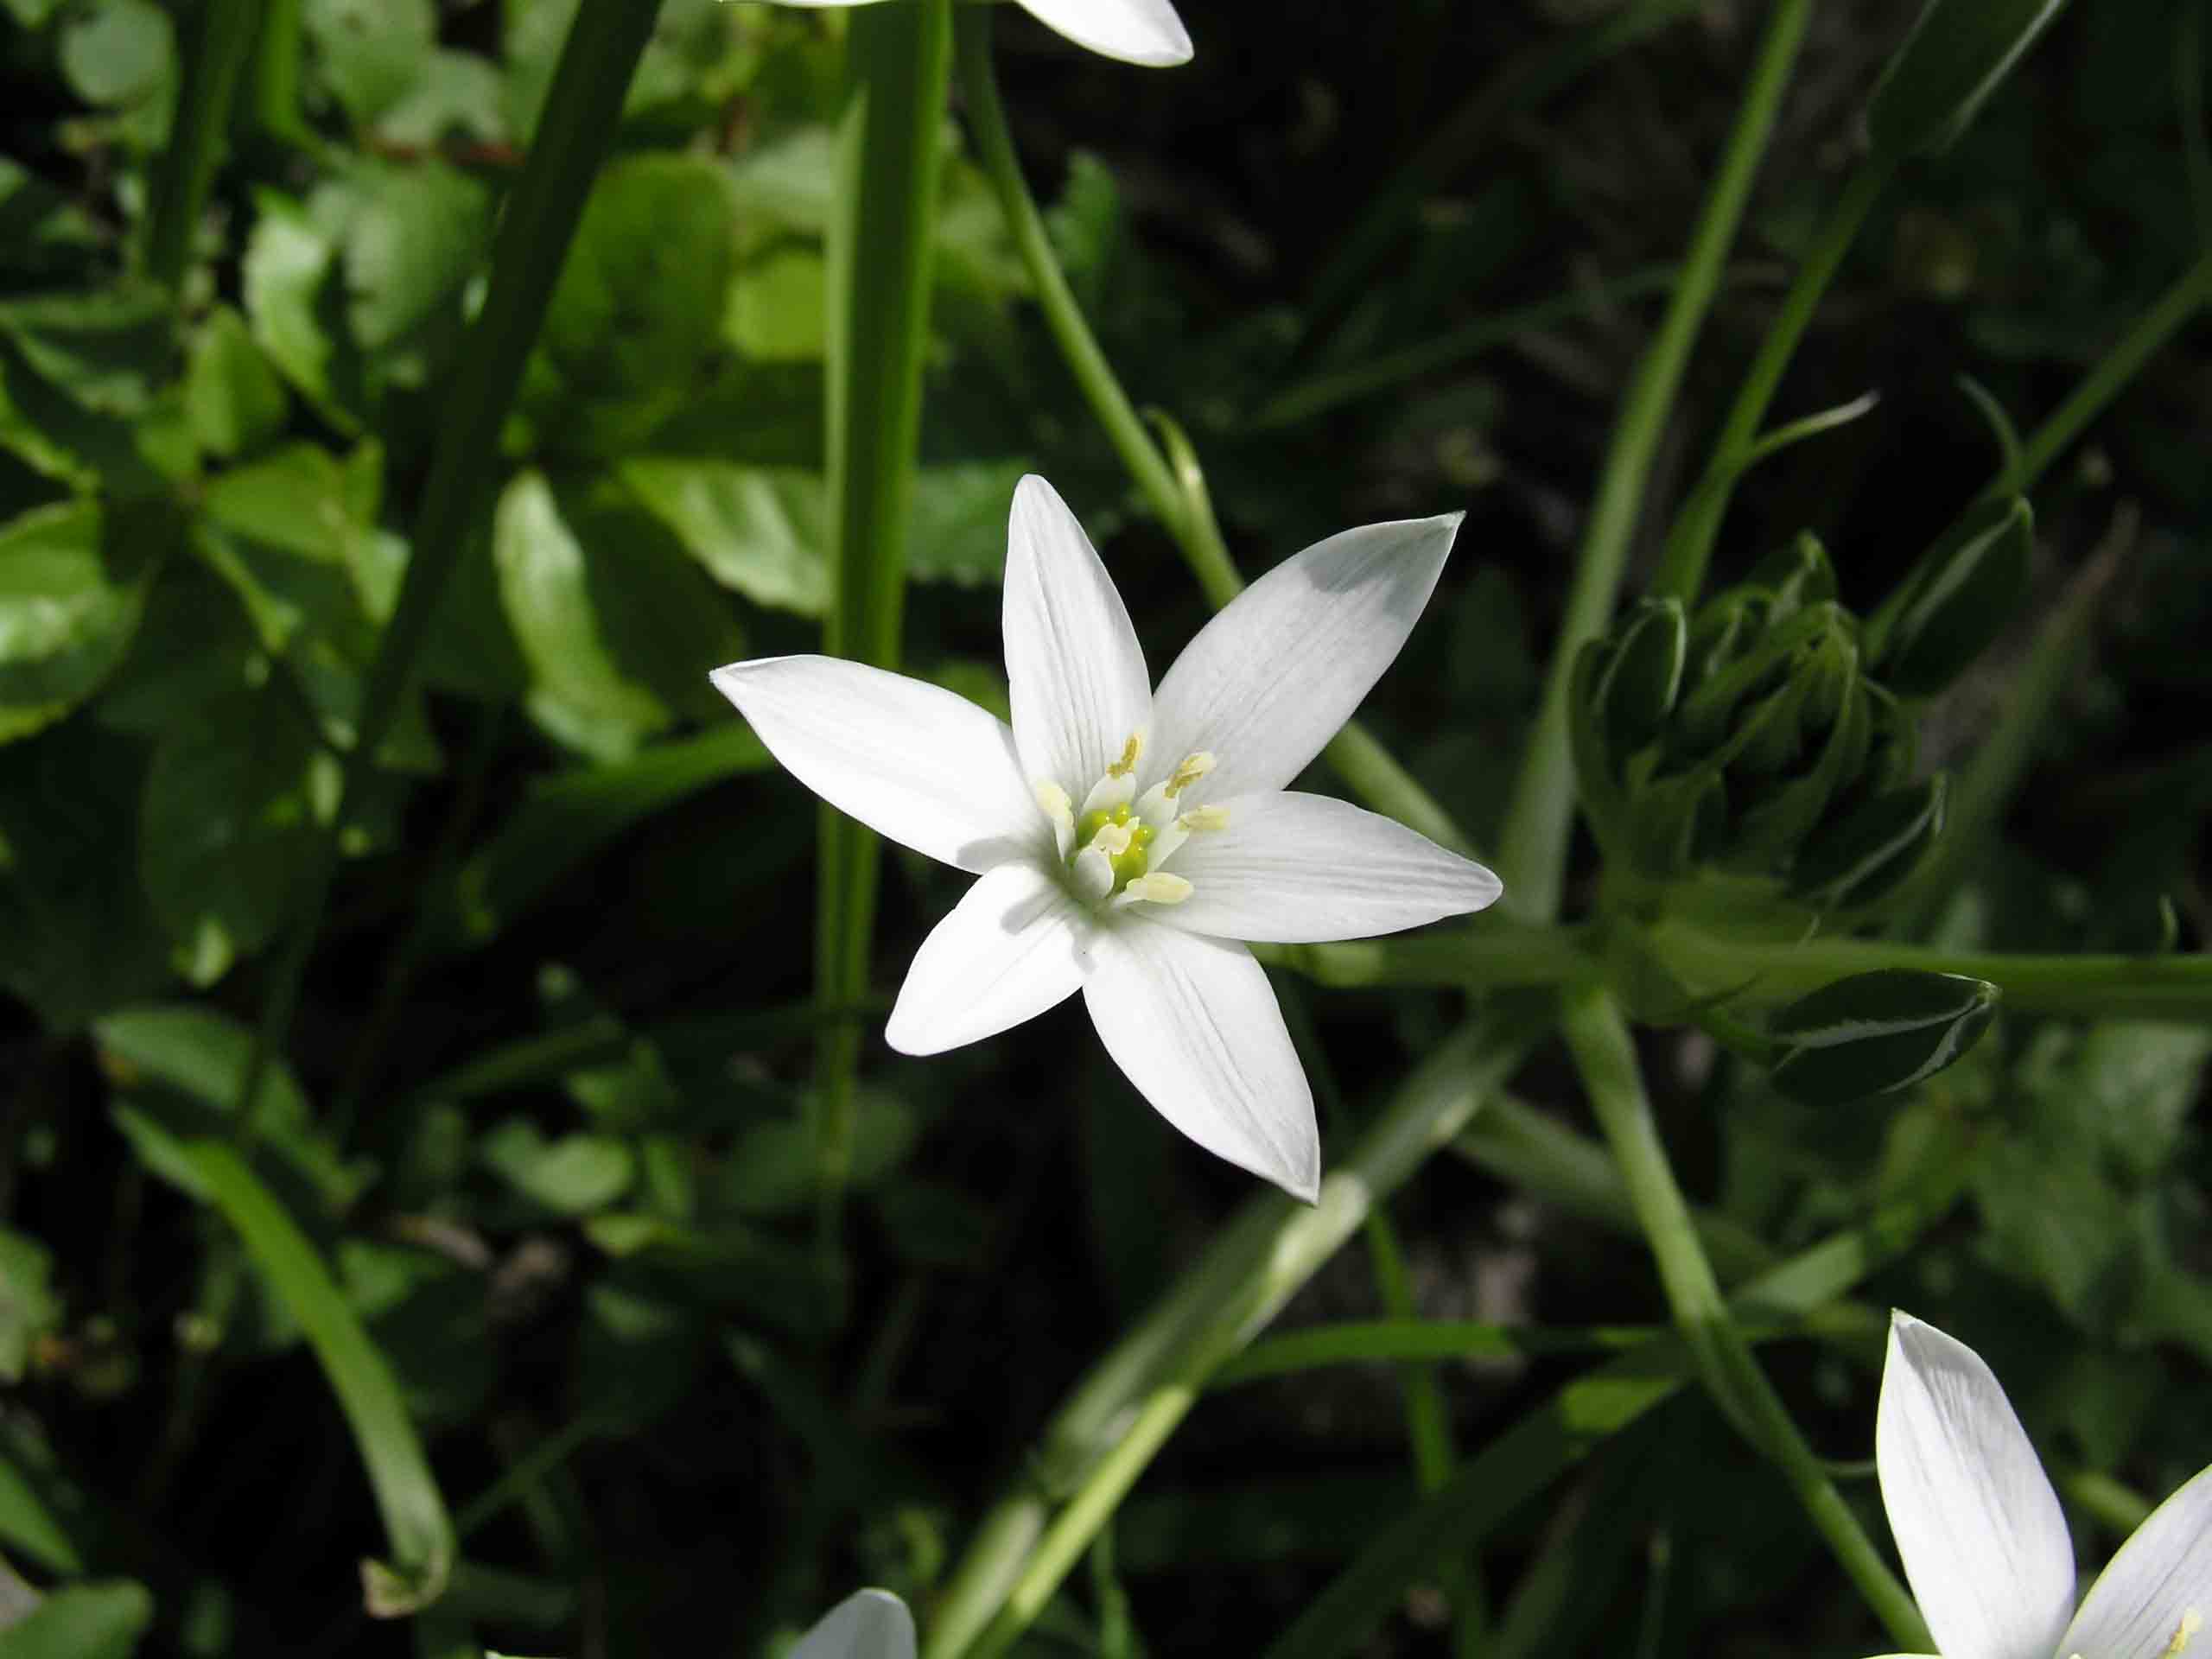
(102,1620)
(636,317)
(227,828)
(370,52)
(121,55)
(28,1526)
(574,1175)
(777,305)
(232,396)
(577,693)
(415,235)
(415,1518)
(106,349)
(28,1307)
(760,531)
(453,92)
(71,600)
(295,299)
(1958,54)
(958,530)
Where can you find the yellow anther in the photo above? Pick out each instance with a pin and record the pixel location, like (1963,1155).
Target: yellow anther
(2191,1623)
(1194,767)
(1206,817)
(1130,751)
(1160,887)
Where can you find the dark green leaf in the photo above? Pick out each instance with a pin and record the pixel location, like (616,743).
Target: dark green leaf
(575,1175)
(760,531)
(232,396)
(1860,857)
(82,1621)
(227,829)
(1958,54)
(370,52)
(577,693)
(70,603)
(1959,598)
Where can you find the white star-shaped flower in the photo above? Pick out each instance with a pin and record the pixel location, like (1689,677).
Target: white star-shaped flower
(867,1624)
(1984,1541)
(1129,840)
(1135,31)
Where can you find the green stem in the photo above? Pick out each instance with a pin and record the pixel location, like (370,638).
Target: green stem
(1492,957)
(1175,490)
(1689,545)
(1532,853)
(2001,760)
(581,113)
(1252,1268)
(1604,1054)
(1388,372)
(186,166)
(2144,338)
(1525,82)
(898,64)
(2171,988)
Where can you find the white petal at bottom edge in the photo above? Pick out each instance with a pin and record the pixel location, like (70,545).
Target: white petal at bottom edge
(1981,1531)
(1007,951)
(1194,1024)
(1145,31)
(2162,1577)
(867,1624)
(1297,869)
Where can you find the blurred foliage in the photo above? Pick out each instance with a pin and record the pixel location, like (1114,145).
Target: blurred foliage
(541,1112)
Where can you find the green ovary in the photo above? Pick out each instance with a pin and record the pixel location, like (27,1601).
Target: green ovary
(1127,865)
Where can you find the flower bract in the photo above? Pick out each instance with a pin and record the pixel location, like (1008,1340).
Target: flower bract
(1135,31)
(1129,840)
(1984,1541)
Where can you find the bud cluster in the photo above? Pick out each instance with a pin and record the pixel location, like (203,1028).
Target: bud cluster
(1770,731)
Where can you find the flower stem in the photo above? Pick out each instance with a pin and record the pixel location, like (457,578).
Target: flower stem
(1140,1387)
(1689,544)
(582,111)
(1175,489)
(1532,853)
(898,65)
(187,167)
(2172,988)
(2142,339)
(1604,1054)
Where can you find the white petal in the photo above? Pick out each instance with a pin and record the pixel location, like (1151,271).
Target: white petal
(1275,676)
(1136,31)
(1008,950)
(1296,869)
(1073,665)
(912,761)
(1195,1025)
(2162,1576)
(1984,1542)
(867,1625)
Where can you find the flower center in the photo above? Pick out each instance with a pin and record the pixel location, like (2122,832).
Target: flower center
(1113,850)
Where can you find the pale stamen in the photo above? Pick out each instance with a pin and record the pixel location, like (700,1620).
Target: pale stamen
(1058,812)
(1157,888)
